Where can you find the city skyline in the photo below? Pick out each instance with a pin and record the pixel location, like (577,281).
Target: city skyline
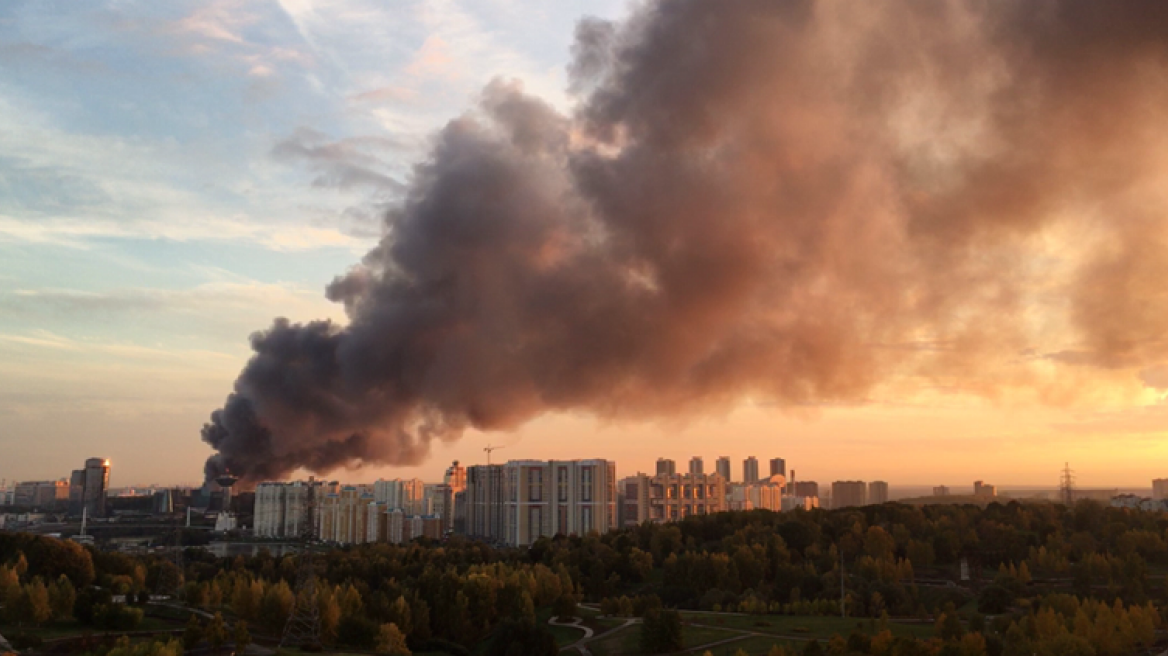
(141,243)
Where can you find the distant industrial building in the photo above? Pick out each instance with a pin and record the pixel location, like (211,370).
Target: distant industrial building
(45,495)
(722,466)
(877,493)
(941,491)
(750,470)
(848,494)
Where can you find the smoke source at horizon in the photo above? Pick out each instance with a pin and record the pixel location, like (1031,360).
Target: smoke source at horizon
(791,202)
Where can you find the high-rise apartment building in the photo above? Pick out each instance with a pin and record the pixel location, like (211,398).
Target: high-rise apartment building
(1160,488)
(409,495)
(633,500)
(941,491)
(804,489)
(723,468)
(877,493)
(281,508)
(452,483)
(763,495)
(343,516)
(87,487)
(670,497)
(778,466)
(546,498)
(750,470)
(483,503)
(847,494)
(696,465)
(666,466)
(97,472)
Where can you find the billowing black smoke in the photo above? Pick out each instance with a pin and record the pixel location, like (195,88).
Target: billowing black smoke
(792,201)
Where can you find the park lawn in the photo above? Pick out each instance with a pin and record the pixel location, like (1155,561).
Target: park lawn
(55,630)
(696,636)
(49,631)
(810,626)
(565,635)
(621,642)
(754,646)
(602,625)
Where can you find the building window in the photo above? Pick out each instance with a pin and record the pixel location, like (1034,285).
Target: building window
(586,484)
(535,484)
(562,483)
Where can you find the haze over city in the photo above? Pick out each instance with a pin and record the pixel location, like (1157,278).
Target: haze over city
(959,276)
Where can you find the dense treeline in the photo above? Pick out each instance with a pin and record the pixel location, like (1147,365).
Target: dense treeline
(1078,579)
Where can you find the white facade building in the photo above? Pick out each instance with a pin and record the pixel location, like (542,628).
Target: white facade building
(546,498)
(280,508)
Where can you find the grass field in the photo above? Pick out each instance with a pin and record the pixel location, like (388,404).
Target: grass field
(566,635)
(695,636)
(622,642)
(755,646)
(71,629)
(800,626)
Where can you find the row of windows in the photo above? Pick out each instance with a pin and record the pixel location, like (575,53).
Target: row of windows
(535,484)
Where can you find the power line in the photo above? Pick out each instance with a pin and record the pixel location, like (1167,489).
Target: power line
(1067,485)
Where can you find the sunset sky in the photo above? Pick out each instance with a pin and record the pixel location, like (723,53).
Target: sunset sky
(175,175)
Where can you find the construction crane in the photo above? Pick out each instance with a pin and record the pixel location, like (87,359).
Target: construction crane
(489,449)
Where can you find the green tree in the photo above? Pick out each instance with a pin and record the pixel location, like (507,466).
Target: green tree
(400,615)
(14,604)
(194,633)
(661,631)
(276,607)
(62,597)
(8,579)
(391,641)
(330,614)
(565,607)
(241,636)
(350,601)
(246,599)
(949,624)
(217,632)
(813,649)
(34,607)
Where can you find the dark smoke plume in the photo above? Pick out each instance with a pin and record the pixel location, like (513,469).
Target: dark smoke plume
(797,202)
